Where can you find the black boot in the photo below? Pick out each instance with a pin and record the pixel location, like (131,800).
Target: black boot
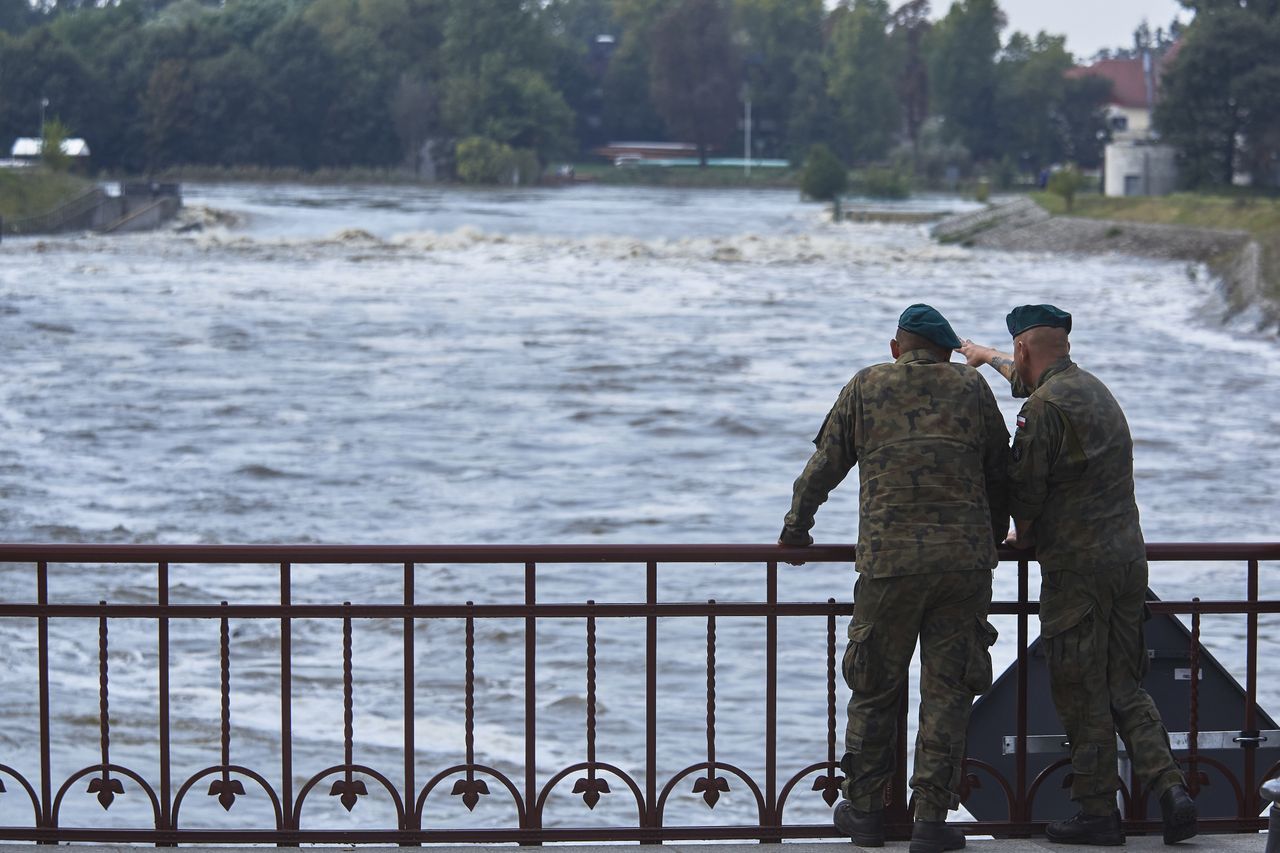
(865,829)
(1102,830)
(1179,812)
(934,836)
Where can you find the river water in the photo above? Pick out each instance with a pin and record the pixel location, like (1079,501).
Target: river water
(391,365)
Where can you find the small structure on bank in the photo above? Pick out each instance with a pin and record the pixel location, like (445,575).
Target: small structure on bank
(1136,162)
(27,150)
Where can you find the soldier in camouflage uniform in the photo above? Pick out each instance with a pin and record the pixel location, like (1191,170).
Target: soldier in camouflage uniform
(1071,495)
(931,447)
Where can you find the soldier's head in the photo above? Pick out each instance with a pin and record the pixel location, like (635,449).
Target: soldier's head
(1040,337)
(922,327)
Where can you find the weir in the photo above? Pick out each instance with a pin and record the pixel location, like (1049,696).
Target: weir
(413,789)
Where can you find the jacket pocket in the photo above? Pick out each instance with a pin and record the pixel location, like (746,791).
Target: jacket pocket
(859,665)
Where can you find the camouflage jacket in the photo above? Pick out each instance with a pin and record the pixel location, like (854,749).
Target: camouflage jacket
(932,450)
(1071,473)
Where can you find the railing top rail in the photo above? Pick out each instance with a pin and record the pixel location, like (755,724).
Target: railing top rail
(517,554)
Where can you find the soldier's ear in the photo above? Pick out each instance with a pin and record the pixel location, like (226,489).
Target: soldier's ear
(894,349)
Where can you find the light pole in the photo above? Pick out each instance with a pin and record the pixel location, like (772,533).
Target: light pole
(44,102)
(746,126)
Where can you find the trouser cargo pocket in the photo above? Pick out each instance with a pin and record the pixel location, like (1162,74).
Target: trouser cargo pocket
(977,671)
(859,665)
(1072,649)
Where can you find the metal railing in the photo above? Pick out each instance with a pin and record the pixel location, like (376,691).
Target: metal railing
(815,776)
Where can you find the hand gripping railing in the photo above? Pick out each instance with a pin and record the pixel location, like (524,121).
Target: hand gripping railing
(782,777)
(1271,793)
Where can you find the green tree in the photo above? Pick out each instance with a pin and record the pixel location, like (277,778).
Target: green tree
(1065,183)
(781,38)
(1030,90)
(695,73)
(911,26)
(862,75)
(1220,89)
(963,47)
(52,157)
(824,177)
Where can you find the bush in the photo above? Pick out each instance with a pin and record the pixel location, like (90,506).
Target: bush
(483,161)
(1065,183)
(824,177)
(51,154)
(983,191)
(883,183)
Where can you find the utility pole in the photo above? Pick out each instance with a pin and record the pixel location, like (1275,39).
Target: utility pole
(44,102)
(746,123)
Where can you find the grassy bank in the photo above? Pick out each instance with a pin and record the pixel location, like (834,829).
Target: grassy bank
(1259,215)
(687,176)
(31,192)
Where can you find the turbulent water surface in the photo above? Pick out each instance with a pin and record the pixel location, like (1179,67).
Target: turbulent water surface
(374,365)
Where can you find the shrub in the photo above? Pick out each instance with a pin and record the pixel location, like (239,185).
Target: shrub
(484,161)
(51,154)
(883,183)
(824,177)
(1066,182)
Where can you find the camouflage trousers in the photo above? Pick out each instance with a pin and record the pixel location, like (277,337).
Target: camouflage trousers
(947,612)
(1092,625)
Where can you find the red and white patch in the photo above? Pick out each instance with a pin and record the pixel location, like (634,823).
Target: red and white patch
(1022,421)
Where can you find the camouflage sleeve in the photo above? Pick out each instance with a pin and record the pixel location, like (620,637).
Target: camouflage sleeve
(830,463)
(1036,444)
(995,463)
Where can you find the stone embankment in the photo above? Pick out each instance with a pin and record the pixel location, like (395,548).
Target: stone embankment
(1234,257)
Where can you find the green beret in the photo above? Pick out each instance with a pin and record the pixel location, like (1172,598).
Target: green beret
(928,323)
(1029,316)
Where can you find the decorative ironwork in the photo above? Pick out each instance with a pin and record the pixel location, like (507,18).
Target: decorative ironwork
(470,780)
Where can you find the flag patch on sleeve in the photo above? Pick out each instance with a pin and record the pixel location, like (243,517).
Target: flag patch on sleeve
(1022,421)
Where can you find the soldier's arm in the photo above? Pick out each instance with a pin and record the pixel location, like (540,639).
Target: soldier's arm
(977,355)
(1036,444)
(832,459)
(995,463)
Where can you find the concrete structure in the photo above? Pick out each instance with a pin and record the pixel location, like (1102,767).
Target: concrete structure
(1139,167)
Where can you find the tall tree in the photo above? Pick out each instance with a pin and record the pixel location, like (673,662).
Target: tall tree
(779,38)
(1030,88)
(910,27)
(1220,89)
(862,71)
(963,49)
(695,73)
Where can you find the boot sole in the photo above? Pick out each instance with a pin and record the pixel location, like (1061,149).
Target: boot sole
(1095,841)
(932,847)
(1181,827)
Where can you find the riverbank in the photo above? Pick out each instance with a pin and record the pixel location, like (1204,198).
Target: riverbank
(31,192)
(1237,245)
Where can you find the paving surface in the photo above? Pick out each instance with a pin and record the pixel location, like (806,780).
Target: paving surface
(1256,843)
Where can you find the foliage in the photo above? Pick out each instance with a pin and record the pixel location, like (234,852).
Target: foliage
(52,157)
(31,192)
(695,73)
(879,182)
(484,161)
(782,43)
(1224,87)
(1065,183)
(824,177)
(862,81)
(963,47)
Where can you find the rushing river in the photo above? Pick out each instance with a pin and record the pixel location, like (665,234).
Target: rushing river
(392,365)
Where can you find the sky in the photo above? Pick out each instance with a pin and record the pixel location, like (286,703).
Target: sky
(1088,24)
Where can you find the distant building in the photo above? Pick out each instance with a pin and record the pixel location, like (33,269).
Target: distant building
(1136,163)
(29,148)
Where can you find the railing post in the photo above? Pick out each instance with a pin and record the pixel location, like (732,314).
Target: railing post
(651,698)
(1252,806)
(530,697)
(1022,814)
(771,702)
(286,700)
(410,751)
(46,773)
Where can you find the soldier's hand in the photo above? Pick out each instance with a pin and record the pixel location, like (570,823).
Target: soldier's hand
(976,355)
(794,543)
(1012,541)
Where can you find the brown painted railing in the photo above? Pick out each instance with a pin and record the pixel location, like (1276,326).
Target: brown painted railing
(471,780)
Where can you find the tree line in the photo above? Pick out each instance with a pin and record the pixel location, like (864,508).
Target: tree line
(310,84)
